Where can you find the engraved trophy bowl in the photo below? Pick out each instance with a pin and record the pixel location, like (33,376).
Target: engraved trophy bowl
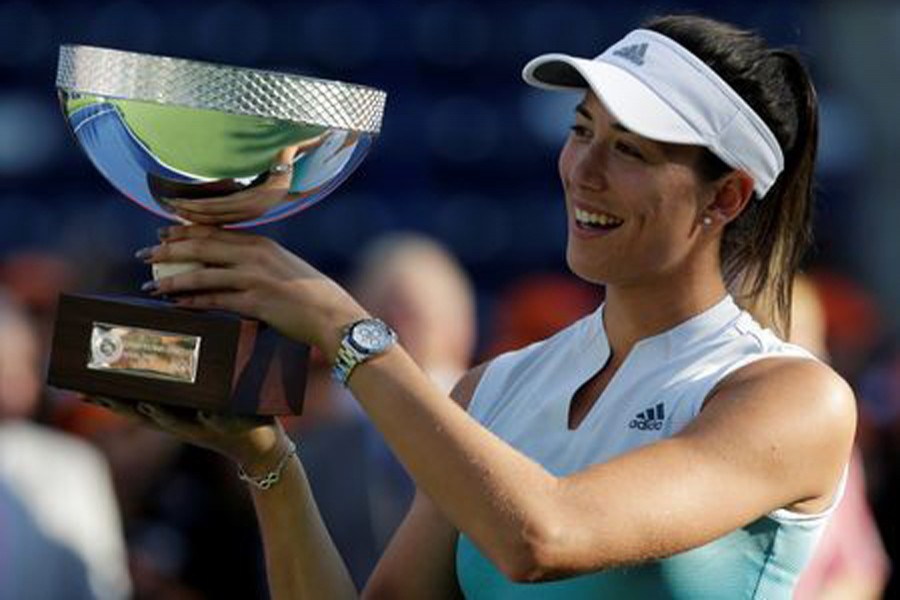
(204,143)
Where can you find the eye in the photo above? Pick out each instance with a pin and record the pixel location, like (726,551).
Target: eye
(628,149)
(580,131)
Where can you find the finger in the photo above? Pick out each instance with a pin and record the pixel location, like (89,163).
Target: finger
(232,301)
(308,145)
(208,251)
(202,232)
(127,410)
(202,280)
(169,421)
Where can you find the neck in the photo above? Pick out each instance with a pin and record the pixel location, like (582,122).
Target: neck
(636,311)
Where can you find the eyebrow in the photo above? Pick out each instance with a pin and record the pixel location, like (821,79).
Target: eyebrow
(583,111)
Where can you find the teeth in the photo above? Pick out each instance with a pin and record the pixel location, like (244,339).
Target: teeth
(601,219)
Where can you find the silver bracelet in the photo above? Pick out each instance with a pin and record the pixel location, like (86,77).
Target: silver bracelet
(264,482)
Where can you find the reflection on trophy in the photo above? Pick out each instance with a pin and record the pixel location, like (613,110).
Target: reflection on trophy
(200,143)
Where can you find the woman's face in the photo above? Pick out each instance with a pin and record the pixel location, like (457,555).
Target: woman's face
(633,204)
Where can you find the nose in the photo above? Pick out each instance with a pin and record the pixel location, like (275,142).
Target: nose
(584,165)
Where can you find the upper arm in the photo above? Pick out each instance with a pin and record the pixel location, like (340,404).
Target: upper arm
(777,434)
(420,561)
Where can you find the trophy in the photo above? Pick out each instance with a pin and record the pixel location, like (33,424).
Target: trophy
(198,142)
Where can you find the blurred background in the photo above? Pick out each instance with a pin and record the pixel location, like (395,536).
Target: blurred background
(466,159)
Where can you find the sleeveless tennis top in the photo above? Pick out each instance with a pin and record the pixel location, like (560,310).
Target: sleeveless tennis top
(524,398)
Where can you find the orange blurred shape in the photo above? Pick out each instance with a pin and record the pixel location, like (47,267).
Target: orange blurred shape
(537,306)
(852,320)
(87,420)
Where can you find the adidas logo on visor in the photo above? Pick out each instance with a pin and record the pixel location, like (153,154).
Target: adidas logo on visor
(634,53)
(650,419)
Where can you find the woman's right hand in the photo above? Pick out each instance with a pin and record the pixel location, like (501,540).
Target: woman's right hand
(254,276)
(254,443)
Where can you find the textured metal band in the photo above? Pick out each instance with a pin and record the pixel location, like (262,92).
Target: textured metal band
(133,76)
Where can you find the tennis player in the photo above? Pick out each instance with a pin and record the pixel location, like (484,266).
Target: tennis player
(666,446)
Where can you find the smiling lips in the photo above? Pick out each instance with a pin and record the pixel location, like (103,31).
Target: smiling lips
(596,220)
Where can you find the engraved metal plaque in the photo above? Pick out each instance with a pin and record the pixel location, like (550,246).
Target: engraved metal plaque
(144,353)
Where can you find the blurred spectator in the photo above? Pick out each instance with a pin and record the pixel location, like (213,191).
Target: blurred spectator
(57,482)
(416,286)
(34,280)
(32,564)
(850,562)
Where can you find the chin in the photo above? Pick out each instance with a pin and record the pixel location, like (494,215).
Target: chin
(587,268)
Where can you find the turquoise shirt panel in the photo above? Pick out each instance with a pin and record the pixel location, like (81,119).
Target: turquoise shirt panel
(760,561)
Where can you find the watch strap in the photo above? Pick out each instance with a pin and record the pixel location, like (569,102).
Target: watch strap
(348,357)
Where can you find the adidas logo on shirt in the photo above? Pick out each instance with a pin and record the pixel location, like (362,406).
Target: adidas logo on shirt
(634,53)
(650,419)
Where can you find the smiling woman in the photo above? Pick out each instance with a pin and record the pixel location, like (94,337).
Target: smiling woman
(668,432)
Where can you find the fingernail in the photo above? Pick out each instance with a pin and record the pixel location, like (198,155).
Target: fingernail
(144,409)
(145,252)
(163,233)
(149,286)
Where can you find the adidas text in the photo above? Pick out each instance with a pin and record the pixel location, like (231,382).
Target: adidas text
(645,425)
(651,419)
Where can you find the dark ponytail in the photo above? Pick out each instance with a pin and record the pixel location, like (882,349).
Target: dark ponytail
(761,249)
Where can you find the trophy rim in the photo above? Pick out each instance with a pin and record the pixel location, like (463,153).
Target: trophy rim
(207,85)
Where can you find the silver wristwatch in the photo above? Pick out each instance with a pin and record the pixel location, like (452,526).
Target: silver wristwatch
(362,340)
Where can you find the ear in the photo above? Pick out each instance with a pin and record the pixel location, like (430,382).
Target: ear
(732,193)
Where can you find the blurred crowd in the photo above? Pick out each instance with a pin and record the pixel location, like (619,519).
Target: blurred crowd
(95,506)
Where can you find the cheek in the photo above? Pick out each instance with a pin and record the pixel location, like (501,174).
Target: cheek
(565,162)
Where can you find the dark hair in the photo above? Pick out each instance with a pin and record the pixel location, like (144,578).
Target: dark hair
(762,248)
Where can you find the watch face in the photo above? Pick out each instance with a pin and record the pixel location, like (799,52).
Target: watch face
(371,336)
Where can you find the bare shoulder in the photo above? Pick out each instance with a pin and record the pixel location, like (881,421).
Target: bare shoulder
(465,388)
(797,415)
(793,384)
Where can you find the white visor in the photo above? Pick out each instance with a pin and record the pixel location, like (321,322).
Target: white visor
(658,89)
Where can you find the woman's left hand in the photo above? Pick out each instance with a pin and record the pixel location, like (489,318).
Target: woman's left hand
(254,276)
(253,442)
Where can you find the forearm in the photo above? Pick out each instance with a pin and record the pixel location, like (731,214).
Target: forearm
(301,559)
(496,495)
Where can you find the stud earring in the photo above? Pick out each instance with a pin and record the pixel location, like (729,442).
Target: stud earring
(707,221)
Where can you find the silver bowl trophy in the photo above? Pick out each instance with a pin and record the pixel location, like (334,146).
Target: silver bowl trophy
(197,142)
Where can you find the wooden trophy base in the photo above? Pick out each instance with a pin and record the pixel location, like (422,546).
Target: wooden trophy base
(141,350)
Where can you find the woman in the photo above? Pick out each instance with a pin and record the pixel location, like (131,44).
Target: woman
(668,433)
